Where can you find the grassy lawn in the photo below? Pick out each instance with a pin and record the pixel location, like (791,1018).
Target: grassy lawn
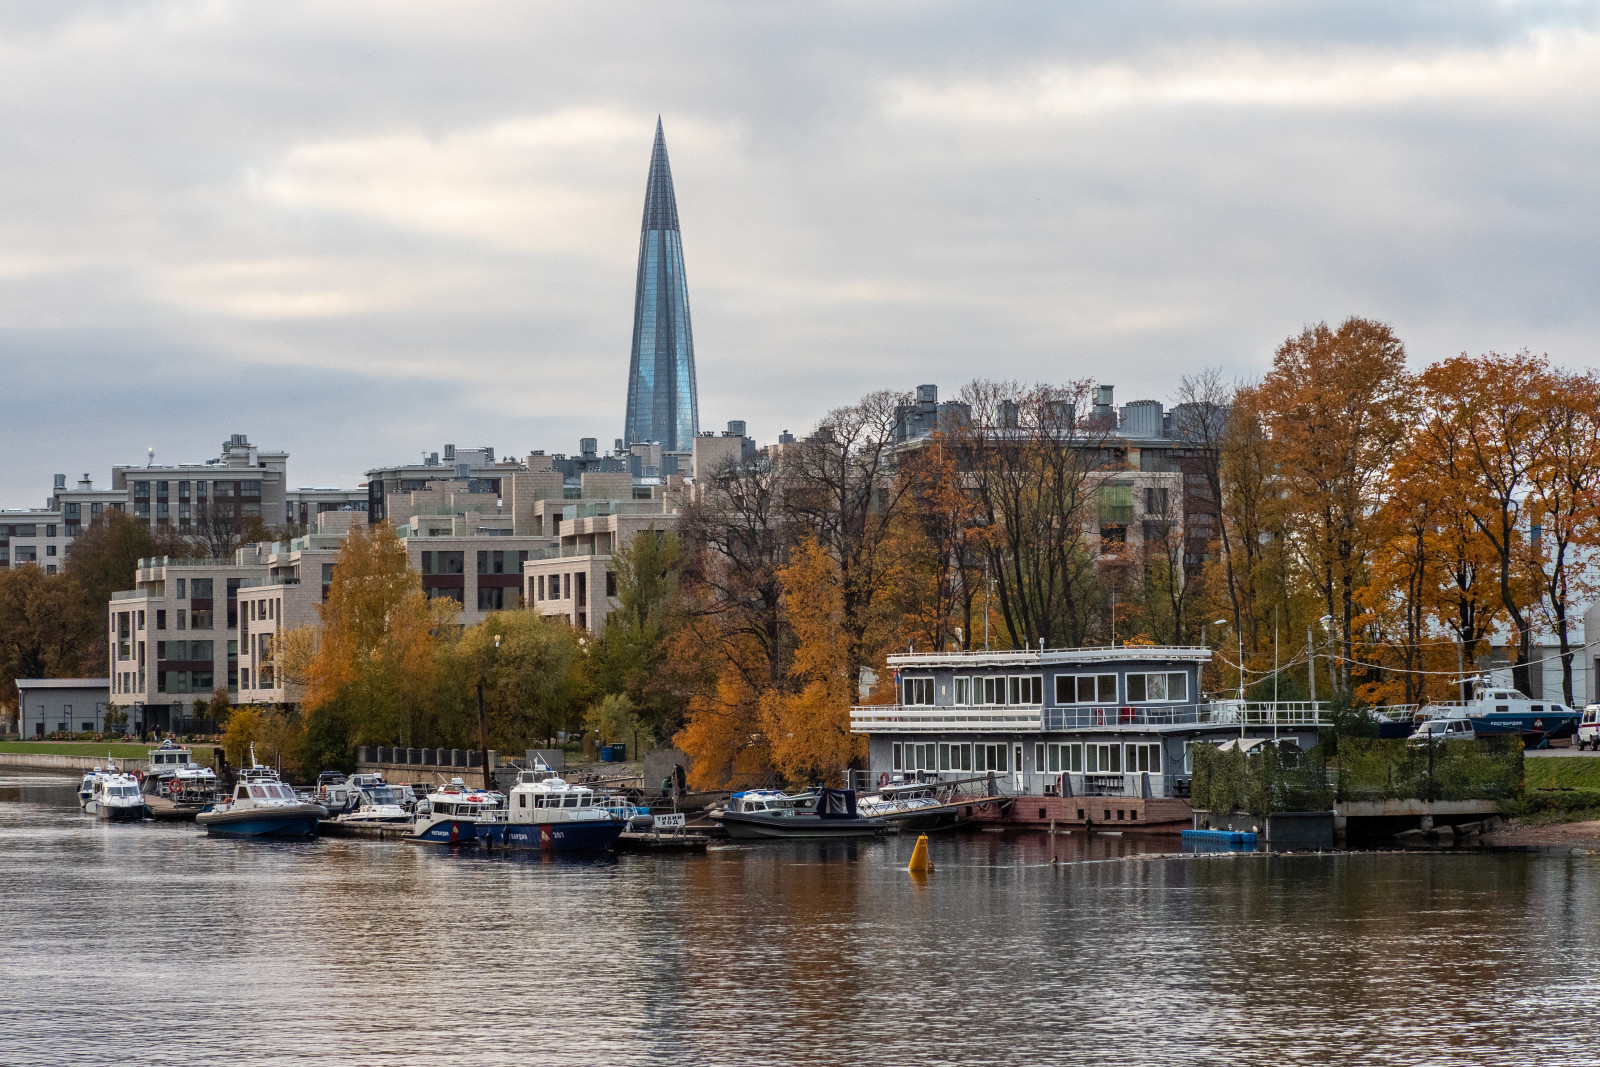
(1562,772)
(121,750)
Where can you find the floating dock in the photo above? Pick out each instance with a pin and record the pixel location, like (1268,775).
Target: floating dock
(1233,838)
(630,842)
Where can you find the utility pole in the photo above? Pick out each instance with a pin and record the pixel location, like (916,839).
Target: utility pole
(1311,667)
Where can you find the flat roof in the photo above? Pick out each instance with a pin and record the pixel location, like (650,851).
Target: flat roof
(63,683)
(1053,656)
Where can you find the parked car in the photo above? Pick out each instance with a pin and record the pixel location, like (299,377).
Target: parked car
(1443,730)
(1589,727)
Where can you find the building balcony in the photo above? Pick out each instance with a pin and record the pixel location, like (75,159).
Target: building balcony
(909,718)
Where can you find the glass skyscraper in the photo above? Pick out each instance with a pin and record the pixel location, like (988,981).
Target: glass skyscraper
(663,404)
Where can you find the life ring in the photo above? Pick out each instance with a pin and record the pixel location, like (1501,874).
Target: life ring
(174,787)
(1099,716)
(883,779)
(1060,781)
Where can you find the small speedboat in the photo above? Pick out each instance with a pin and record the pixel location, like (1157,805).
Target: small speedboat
(450,815)
(770,813)
(262,806)
(379,804)
(116,796)
(551,815)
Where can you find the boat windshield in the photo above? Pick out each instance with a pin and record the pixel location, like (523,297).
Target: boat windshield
(386,795)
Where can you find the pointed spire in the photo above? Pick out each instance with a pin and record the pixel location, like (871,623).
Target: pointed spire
(660,205)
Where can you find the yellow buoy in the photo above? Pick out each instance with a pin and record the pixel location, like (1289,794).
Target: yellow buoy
(919,856)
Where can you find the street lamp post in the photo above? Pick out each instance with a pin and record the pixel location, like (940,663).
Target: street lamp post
(1224,622)
(483,726)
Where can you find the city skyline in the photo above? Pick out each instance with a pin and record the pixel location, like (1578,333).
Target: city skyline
(358,241)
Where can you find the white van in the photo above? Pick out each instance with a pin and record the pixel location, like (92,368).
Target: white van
(1589,727)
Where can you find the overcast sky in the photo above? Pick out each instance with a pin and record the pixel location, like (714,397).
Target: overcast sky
(358,231)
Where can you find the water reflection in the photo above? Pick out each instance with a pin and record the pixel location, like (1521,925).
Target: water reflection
(1018,948)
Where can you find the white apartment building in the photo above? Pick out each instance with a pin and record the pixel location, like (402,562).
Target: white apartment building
(242,484)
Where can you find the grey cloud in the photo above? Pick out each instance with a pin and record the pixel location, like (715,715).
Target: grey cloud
(361,230)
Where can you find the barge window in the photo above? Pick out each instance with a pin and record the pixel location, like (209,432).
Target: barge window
(522,800)
(1086,689)
(1025,689)
(991,758)
(963,691)
(1142,757)
(1066,759)
(917,691)
(1105,759)
(897,758)
(955,757)
(1153,688)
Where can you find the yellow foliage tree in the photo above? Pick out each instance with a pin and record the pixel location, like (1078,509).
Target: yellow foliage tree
(809,730)
(375,657)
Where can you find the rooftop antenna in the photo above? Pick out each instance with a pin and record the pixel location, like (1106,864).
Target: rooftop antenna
(150,458)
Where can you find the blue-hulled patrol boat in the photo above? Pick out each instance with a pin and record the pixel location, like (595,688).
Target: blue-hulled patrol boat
(1496,710)
(451,815)
(549,814)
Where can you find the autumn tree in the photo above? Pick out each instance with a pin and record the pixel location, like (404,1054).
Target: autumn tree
(1036,464)
(1336,404)
(373,665)
(1482,426)
(735,643)
(630,654)
(938,581)
(532,671)
(808,723)
(45,628)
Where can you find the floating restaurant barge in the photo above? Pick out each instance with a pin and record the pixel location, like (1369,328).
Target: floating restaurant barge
(1075,737)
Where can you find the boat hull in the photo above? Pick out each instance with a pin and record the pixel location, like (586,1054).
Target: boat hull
(300,821)
(166,808)
(1539,727)
(754,827)
(589,836)
(116,812)
(462,831)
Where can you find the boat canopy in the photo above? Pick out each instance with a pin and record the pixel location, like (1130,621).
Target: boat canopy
(836,804)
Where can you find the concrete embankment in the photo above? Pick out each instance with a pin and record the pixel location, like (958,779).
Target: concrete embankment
(42,761)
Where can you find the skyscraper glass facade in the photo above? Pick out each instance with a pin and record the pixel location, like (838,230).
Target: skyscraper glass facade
(663,403)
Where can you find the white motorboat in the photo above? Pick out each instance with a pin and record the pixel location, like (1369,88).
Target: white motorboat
(911,806)
(86,787)
(116,796)
(379,804)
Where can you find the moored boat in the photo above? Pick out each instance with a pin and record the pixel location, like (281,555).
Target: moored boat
(262,806)
(176,787)
(552,815)
(450,815)
(379,804)
(116,796)
(768,813)
(1502,711)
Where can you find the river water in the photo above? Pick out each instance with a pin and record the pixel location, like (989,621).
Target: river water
(153,943)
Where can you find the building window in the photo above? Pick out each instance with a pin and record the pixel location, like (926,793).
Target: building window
(540,594)
(611,583)
(917,691)
(1086,689)
(955,757)
(200,620)
(182,589)
(583,590)
(161,620)
(200,588)
(896,750)
(183,619)
(1154,688)
(49,550)
(491,598)
(963,691)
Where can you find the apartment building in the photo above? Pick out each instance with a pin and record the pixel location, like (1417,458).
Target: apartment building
(1151,472)
(43,535)
(173,637)
(244,483)
(301,506)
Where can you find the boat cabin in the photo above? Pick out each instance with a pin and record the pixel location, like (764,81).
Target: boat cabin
(169,757)
(1114,721)
(552,799)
